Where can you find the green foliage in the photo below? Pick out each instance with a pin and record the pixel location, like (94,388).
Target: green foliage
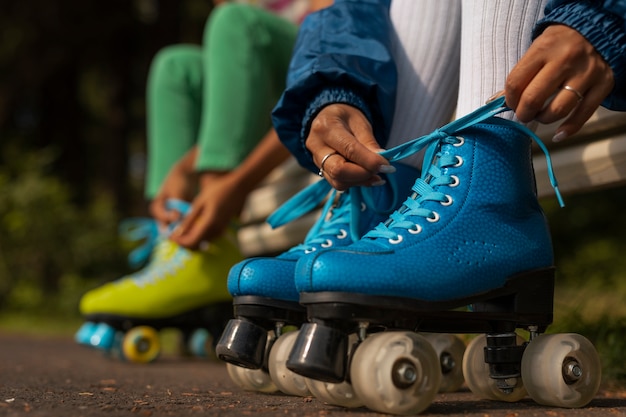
(50,248)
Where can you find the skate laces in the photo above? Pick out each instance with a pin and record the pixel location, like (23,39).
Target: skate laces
(164,263)
(432,176)
(139,230)
(156,246)
(340,215)
(333,224)
(434,173)
(146,230)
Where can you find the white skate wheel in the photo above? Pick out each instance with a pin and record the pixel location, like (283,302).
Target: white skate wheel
(251,379)
(286,380)
(396,372)
(450,350)
(561,370)
(477,378)
(341,394)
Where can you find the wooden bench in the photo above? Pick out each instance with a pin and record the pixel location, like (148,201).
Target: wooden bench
(256,237)
(592,159)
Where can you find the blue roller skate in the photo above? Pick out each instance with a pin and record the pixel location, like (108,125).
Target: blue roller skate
(178,288)
(472,233)
(264,295)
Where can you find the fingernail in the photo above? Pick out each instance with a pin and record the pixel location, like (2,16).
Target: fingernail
(379,183)
(559,136)
(386,169)
(495,96)
(379,150)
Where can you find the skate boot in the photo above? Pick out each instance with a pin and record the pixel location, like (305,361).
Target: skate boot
(472,233)
(179,288)
(265,298)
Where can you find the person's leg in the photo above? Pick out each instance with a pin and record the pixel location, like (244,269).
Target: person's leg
(426,51)
(243,83)
(173,110)
(495,34)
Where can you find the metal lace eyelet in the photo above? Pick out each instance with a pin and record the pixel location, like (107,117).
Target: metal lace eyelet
(461,141)
(415,229)
(455,181)
(342,234)
(363,206)
(327,244)
(307,251)
(397,240)
(447,201)
(433,219)
(459,162)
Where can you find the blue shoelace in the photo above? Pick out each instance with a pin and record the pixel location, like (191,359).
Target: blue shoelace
(310,198)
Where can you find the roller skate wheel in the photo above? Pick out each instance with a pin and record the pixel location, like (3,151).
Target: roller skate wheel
(83,334)
(251,379)
(341,394)
(199,343)
(561,370)
(450,350)
(336,393)
(396,372)
(102,337)
(286,380)
(476,372)
(141,344)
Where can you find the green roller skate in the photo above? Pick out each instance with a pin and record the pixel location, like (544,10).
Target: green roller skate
(178,288)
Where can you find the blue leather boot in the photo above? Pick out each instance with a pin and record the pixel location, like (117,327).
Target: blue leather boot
(264,293)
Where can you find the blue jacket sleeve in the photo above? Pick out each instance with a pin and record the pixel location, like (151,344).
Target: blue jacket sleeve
(603,24)
(342,55)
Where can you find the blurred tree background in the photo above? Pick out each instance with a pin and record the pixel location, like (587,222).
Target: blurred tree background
(72,138)
(72,156)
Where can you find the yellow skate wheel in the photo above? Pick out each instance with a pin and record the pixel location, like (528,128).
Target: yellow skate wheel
(286,380)
(251,379)
(396,372)
(561,370)
(477,378)
(141,344)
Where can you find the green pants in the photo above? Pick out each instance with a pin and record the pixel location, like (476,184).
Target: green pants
(218,95)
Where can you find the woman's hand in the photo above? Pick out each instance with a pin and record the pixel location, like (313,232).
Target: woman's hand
(218,203)
(179,184)
(559,57)
(344,133)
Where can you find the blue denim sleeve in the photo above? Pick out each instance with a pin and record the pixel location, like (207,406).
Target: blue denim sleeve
(603,24)
(342,55)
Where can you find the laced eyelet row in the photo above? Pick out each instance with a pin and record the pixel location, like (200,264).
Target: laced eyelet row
(416,229)
(328,243)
